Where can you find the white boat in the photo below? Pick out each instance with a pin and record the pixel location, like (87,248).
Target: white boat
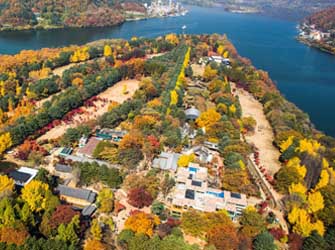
(184,27)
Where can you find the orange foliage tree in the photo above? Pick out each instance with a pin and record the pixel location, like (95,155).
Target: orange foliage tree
(140,222)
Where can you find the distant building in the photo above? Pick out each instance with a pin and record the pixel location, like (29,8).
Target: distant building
(110,134)
(89,148)
(23,175)
(192,191)
(63,168)
(166,161)
(220,60)
(203,154)
(76,196)
(192,113)
(211,145)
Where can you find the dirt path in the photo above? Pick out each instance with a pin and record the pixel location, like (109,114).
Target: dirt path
(114,93)
(263,136)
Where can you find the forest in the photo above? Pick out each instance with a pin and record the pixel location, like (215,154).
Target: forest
(65,13)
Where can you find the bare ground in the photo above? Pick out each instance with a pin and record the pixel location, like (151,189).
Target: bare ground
(114,93)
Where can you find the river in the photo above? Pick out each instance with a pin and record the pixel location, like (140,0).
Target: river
(304,75)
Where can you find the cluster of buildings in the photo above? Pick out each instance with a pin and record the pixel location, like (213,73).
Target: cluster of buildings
(193,188)
(166,8)
(312,33)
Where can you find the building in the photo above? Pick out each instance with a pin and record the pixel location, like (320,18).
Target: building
(110,134)
(65,152)
(76,196)
(88,149)
(23,175)
(63,171)
(82,142)
(166,161)
(219,59)
(192,113)
(211,145)
(203,154)
(192,191)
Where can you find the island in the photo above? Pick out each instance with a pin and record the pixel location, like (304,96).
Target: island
(175,142)
(318,30)
(19,15)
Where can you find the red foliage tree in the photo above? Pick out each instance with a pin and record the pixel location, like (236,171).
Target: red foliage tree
(62,215)
(295,241)
(139,197)
(277,233)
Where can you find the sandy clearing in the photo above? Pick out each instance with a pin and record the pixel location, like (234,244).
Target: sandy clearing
(263,136)
(198,70)
(113,93)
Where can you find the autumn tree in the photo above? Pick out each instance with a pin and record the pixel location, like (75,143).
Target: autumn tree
(139,197)
(13,236)
(106,200)
(5,142)
(36,194)
(68,232)
(252,222)
(209,73)
(185,160)
(208,118)
(94,245)
(6,186)
(223,237)
(96,231)
(140,222)
(62,215)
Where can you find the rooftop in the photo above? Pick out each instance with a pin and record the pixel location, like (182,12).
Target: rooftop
(63,168)
(192,113)
(89,148)
(167,161)
(23,175)
(78,193)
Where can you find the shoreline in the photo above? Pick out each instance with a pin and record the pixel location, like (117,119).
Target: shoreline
(315,45)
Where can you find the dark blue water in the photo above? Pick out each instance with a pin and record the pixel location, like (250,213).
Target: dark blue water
(304,75)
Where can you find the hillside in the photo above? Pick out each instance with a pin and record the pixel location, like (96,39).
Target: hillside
(292,9)
(323,20)
(318,30)
(69,13)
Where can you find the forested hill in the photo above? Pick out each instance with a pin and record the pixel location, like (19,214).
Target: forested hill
(71,13)
(292,9)
(323,20)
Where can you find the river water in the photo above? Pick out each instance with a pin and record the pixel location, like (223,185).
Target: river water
(304,75)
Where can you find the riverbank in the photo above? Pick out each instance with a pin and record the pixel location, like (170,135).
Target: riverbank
(317,45)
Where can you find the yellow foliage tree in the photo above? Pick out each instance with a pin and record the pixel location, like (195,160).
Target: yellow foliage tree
(6,186)
(77,81)
(36,194)
(295,163)
(172,38)
(40,74)
(208,118)
(220,50)
(174,97)
(209,73)
(226,54)
(232,109)
(96,230)
(5,142)
(310,146)
(324,179)
(286,144)
(315,202)
(297,188)
(108,50)
(80,55)
(140,222)
(185,160)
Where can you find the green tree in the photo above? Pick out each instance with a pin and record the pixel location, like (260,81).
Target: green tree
(315,242)
(264,241)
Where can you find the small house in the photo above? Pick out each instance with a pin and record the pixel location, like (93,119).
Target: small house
(88,149)
(23,176)
(76,196)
